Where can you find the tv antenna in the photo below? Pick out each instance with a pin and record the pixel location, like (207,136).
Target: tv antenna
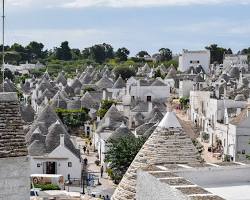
(3,62)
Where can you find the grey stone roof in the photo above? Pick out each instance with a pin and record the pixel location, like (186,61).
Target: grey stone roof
(27,113)
(68,90)
(44,84)
(225,77)
(171,73)
(104,82)
(112,120)
(140,130)
(61,79)
(120,83)
(198,79)
(156,118)
(76,84)
(59,101)
(42,144)
(74,104)
(122,131)
(8,86)
(12,139)
(154,111)
(86,79)
(166,145)
(149,132)
(87,101)
(47,116)
(234,72)
(47,93)
(240,97)
(26,87)
(53,137)
(140,107)
(157,82)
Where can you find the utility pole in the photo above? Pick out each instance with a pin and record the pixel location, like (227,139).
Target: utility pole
(3,68)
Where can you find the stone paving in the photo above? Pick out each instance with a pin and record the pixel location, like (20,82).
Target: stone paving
(107,187)
(190,130)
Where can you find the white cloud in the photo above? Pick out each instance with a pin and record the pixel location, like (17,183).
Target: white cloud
(119,3)
(219,27)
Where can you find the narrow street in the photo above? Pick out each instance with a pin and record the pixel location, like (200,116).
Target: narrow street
(190,130)
(106,186)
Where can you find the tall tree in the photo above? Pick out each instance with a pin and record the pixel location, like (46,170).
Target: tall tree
(217,53)
(121,153)
(142,54)
(166,54)
(122,54)
(35,50)
(64,51)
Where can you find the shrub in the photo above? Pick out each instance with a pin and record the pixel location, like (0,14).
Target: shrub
(47,186)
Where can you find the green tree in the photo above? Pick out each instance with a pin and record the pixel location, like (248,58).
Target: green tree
(121,153)
(21,50)
(35,50)
(122,54)
(166,54)
(125,72)
(105,105)
(99,52)
(217,53)
(142,54)
(63,52)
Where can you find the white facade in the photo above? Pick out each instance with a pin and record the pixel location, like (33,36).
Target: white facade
(185,87)
(14,178)
(152,92)
(238,140)
(66,163)
(193,59)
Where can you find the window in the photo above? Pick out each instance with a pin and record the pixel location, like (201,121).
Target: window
(38,165)
(133,97)
(191,61)
(148,98)
(198,61)
(69,164)
(243,151)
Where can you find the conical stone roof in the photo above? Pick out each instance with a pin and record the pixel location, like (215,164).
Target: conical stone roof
(120,83)
(104,82)
(122,131)
(168,144)
(61,79)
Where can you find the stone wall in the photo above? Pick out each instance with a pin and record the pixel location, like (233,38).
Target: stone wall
(149,188)
(14,178)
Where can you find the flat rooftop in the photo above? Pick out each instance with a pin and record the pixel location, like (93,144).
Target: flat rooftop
(206,181)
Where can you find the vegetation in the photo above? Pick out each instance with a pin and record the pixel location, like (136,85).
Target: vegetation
(120,155)
(184,101)
(44,187)
(73,118)
(105,105)
(217,53)
(125,71)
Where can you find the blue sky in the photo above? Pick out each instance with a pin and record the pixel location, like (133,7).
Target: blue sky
(135,24)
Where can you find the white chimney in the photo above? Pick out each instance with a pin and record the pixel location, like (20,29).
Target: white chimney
(62,140)
(104,94)
(150,106)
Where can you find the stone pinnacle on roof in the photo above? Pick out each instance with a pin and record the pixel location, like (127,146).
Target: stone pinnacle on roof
(169,121)
(166,146)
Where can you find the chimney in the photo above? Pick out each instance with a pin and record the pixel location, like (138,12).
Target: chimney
(150,106)
(104,94)
(62,140)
